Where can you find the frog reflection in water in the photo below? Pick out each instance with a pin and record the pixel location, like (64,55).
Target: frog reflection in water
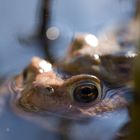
(76,86)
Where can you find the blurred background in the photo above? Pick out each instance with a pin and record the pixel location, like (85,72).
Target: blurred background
(20,20)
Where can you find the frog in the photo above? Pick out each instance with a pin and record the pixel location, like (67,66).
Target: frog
(111,56)
(72,97)
(93,77)
(42,88)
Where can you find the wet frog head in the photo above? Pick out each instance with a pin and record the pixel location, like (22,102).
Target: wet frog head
(41,88)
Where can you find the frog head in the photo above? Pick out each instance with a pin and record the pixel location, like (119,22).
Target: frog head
(43,89)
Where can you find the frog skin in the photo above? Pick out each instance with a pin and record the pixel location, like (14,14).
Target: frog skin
(110,57)
(41,88)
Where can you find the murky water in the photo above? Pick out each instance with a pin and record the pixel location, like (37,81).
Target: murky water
(19,124)
(19,19)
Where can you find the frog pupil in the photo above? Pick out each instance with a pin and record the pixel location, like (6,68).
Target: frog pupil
(85,93)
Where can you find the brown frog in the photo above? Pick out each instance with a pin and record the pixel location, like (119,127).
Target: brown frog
(41,88)
(92,78)
(110,57)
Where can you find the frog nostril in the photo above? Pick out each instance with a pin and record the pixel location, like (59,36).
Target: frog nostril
(46,90)
(49,90)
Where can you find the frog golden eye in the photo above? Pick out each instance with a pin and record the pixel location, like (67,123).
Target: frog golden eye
(84,88)
(86,93)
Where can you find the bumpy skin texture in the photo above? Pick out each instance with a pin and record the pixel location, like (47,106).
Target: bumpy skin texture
(114,53)
(95,70)
(42,89)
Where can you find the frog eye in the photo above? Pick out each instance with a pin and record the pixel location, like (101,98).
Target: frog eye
(84,88)
(86,93)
